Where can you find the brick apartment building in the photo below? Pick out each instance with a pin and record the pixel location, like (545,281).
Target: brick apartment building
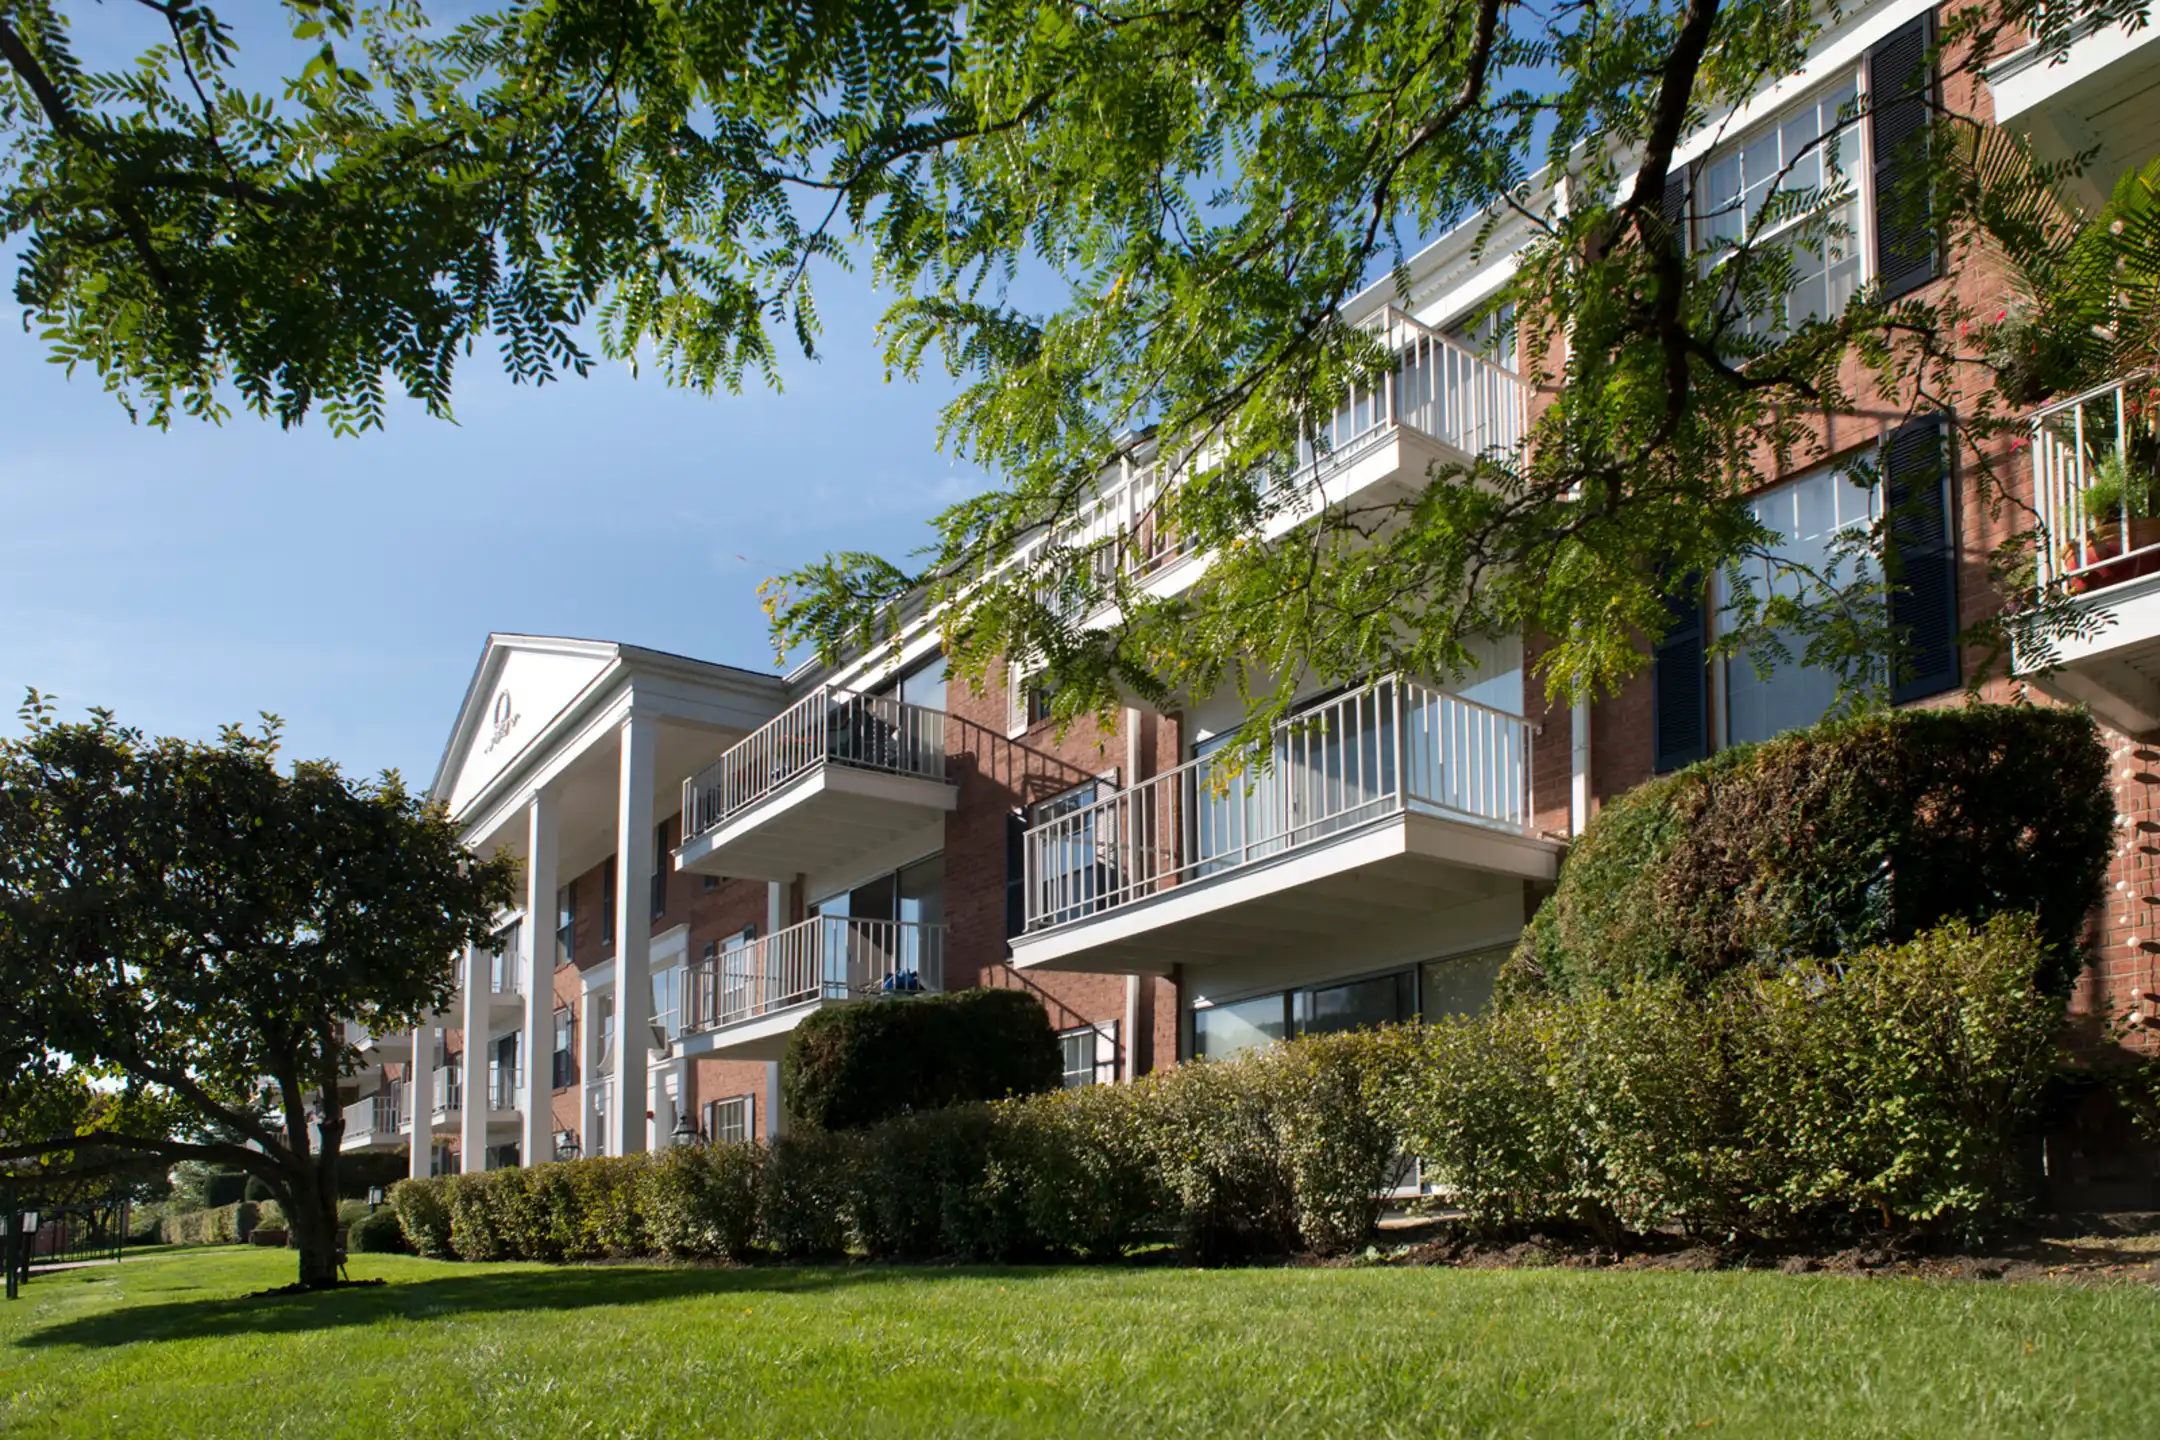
(738,849)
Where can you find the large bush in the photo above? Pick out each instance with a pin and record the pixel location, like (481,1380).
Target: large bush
(211,1225)
(378,1233)
(1828,840)
(1897,1089)
(852,1065)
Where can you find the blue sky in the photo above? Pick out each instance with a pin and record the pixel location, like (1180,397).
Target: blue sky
(200,575)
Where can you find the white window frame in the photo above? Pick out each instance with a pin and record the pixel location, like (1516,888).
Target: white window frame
(1102,1067)
(1855,131)
(729,1113)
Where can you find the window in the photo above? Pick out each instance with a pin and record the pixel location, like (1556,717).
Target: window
(607,1034)
(1381,1000)
(1090,1055)
(923,685)
(1460,984)
(1491,335)
(659,869)
(1819,519)
(566,1071)
(708,883)
(503,1074)
(607,904)
(1071,874)
(667,988)
(503,961)
(731,1121)
(566,924)
(1220,1031)
(1810,156)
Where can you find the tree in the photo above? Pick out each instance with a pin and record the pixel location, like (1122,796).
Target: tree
(195,931)
(1209,181)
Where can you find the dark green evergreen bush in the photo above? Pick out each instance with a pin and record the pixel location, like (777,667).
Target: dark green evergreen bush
(1819,843)
(853,1065)
(378,1233)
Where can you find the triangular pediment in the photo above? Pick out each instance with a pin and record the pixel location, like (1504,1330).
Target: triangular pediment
(522,684)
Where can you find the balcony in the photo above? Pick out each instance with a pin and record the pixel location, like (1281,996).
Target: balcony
(377,1123)
(743,1004)
(1443,404)
(833,776)
(1376,809)
(2096,493)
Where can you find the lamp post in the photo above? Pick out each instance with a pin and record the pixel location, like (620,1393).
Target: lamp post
(566,1145)
(374,1198)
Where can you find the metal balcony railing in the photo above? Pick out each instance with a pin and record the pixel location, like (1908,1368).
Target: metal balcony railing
(829,726)
(2096,484)
(1438,388)
(1391,747)
(827,957)
(450,1088)
(506,1085)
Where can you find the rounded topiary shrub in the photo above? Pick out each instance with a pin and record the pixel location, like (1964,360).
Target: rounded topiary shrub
(1828,840)
(377,1233)
(853,1065)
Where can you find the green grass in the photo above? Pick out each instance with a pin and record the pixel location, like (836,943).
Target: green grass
(166,1346)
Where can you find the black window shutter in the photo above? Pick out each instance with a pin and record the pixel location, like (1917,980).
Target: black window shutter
(1900,85)
(1680,682)
(1923,567)
(1015,874)
(1673,208)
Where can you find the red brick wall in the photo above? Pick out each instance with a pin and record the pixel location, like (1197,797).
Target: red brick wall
(996,776)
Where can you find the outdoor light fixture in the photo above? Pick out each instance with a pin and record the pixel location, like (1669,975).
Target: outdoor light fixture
(684,1133)
(566,1145)
(374,1197)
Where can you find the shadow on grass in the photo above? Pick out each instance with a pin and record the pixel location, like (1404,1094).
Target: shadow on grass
(477,1290)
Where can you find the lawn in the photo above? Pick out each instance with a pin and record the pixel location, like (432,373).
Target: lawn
(165,1346)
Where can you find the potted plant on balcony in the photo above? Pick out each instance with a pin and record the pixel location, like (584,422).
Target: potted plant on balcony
(2122,515)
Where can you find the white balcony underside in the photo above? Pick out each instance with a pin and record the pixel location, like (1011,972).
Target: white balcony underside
(822,819)
(764,1037)
(2116,670)
(1400,872)
(1380,466)
(371,1142)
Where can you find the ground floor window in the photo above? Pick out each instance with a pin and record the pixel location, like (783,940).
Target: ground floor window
(1457,985)
(1090,1054)
(732,1120)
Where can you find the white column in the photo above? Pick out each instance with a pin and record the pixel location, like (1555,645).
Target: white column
(633,933)
(775,1118)
(420,1099)
(1579,755)
(536,1042)
(472,1121)
(588,1043)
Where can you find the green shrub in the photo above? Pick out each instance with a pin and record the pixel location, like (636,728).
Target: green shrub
(271,1235)
(258,1189)
(803,1194)
(1829,840)
(221,1188)
(700,1202)
(379,1233)
(854,1065)
(424,1214)
(216,1225)
(475,1205)
(1894,1090)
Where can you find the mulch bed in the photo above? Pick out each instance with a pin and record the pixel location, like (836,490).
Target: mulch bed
(2093,1250)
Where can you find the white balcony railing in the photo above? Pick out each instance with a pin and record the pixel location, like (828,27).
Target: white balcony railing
(1438,388)
(450,1088)
(829,726)
(827,957)
(2096,485)
(506,1085)
(1391,747)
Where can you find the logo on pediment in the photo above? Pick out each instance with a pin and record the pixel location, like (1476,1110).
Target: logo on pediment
(505,721)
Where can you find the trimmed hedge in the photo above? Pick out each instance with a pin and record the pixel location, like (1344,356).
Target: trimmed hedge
(854,1065)
(1826,841)
(1898,1091)
(216,1225)
(378,1233)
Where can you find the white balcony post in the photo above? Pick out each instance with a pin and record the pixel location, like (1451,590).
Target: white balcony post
(1402,743)
(633,935)
(420,1100)
(537,1096)
(472,1120)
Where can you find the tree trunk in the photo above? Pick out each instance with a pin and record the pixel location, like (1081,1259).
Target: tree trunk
(313,1218)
